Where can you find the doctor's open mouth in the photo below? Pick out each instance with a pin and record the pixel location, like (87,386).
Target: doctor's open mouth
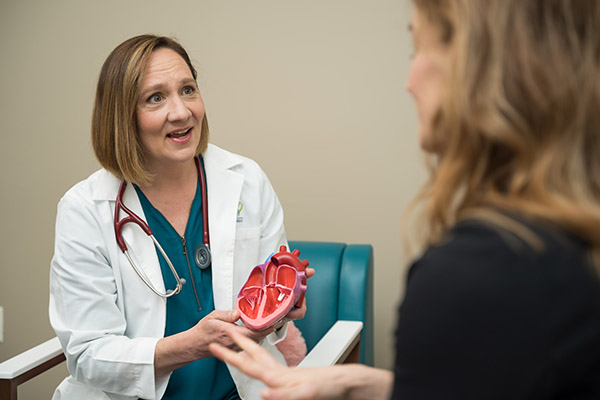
(179,134)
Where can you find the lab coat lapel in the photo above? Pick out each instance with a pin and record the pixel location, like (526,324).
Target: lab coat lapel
(224,191)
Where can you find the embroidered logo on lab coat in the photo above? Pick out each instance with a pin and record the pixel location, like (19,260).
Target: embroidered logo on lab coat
(239,212)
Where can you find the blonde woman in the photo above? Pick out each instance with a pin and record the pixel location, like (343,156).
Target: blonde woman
(504,303)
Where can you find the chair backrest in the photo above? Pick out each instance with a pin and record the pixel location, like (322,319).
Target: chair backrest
(342,289)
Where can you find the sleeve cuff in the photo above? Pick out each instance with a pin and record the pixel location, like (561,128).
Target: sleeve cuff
(278,335)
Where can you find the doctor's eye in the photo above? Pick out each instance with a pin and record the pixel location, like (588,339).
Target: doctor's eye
(155,98)
(188,90)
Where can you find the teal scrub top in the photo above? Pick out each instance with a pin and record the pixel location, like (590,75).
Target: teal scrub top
(206,378)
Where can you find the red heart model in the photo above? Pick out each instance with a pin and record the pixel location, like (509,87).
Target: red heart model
(272,289)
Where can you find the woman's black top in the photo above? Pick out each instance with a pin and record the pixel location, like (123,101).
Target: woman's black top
(487,316)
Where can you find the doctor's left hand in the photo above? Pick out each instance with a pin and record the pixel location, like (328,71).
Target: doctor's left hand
(296,312)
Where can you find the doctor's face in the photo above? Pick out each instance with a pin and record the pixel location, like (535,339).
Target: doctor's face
(428,76)
(169,111)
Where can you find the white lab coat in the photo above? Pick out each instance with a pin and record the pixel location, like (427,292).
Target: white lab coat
(108,321)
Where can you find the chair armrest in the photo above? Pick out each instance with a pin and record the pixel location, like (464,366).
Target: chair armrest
(333,348)
(30,359)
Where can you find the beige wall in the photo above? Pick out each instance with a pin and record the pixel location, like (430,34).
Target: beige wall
(313,90)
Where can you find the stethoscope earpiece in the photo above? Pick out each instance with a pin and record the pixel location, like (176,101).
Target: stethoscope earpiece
(171,292)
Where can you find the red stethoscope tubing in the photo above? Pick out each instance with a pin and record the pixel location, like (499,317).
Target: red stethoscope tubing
(205,237)
(132,217)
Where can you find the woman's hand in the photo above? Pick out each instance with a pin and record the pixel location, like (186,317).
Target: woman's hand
(259,364)
(350,381)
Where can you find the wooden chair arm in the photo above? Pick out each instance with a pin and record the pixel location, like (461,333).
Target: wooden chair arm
(27,365)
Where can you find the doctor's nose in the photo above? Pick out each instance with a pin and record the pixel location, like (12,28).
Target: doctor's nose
(178,110)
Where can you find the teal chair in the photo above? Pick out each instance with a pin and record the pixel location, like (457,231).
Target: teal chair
(341,290)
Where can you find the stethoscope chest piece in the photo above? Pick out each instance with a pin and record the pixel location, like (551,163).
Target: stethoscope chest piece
(202,256)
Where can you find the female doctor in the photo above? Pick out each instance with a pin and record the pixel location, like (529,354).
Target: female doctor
(135,323)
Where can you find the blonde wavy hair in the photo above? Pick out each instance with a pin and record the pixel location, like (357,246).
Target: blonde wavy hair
(519,127)
(115,136)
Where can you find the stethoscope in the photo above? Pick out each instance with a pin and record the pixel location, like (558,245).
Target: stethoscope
(202,255)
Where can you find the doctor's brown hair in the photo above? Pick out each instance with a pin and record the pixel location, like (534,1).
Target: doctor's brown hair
(115,136)
(519,125)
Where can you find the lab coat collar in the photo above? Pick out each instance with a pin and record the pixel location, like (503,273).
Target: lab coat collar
(220,158)
(107,186)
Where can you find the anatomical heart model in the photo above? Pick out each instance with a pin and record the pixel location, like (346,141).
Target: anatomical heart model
(272,289)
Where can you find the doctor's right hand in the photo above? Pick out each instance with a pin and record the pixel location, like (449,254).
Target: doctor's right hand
(175,351)
(214,328)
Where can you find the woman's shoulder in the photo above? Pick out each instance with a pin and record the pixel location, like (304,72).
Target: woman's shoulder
(512,237)
(488,253)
